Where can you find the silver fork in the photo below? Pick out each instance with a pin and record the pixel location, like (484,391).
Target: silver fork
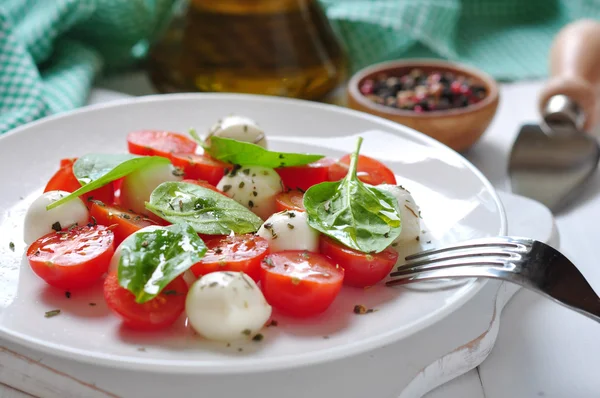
(527,262)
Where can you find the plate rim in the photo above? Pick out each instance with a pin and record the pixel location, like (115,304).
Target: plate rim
(287,362)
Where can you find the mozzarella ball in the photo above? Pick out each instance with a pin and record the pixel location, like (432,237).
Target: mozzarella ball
(289,230)
(226,306)
(409,213)
(239,128)
(39,221)
(116,258)
(138,186)
(254,187)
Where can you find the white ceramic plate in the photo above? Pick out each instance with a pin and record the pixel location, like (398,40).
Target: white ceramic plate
(457,203)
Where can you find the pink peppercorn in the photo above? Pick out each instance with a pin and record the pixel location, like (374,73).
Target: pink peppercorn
(456,87)
(435,77)
(366,87)
(420,96)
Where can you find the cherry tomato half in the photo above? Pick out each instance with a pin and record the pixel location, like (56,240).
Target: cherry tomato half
(74,258)
(369,170)
(360,269)
(123,222)
(65,180)
(67,162)
(239,253)
(304,177)
(199,167)
(158,313)
(159,143)
(300,283)
(290,200)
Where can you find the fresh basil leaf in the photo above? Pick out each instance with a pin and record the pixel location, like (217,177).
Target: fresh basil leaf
(207,211)
(248,154)
(359,216)
(119,171)
(151,260)
(197,138)
(95,165)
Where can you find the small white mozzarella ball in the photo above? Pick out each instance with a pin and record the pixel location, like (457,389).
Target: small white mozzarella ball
(238,128)
(138,186)
(409,213)
(289,230)
(226,306)
(116,258)
(39,221)
(254,187)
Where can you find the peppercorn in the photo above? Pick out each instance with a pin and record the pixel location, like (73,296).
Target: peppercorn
(423,92)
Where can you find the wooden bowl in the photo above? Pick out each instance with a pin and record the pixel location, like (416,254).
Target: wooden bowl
(458,128)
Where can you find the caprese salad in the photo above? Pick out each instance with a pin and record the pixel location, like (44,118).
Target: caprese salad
(220,228)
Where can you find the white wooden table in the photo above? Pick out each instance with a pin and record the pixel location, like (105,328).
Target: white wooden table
(542,349)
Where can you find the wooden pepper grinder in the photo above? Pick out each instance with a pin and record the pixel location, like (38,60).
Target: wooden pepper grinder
(570,98)
(553,161)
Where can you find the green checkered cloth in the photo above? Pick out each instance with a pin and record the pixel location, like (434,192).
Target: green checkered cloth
(509,39)
(51,50)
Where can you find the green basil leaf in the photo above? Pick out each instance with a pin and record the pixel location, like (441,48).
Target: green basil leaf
(151,260)
(359,216)
(119,171)
(95,165)
(207,211)
(197,138)
(248,154)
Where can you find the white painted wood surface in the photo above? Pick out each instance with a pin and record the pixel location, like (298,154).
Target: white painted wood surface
(542,349)
(9,392)
(525,218)
(466,386)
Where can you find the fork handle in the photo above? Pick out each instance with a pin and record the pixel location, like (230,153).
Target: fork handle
(498,272)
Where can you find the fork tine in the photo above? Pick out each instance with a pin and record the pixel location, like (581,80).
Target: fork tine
(483,261)
(457,254)
(454,272)
(516,245)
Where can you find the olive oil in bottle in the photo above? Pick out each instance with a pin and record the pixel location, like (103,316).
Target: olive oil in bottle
(273,47)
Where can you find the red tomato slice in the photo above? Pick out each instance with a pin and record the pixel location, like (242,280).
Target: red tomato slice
(67,162)
(290,200)
(369,171)
(159,143)
(65,180)
(361,269)
(198,167)
(74,258)
(299,283)
(158,313)
(304,177)
(204,184)
(123,222)
(239,253)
